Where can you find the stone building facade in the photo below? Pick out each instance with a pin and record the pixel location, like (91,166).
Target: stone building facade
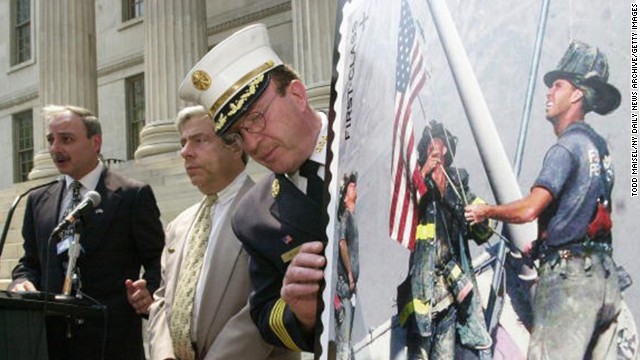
(125,60)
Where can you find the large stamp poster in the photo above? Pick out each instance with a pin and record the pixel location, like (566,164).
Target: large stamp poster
(393,84)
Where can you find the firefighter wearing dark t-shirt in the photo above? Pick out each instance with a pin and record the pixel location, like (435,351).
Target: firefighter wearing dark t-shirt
(578,296)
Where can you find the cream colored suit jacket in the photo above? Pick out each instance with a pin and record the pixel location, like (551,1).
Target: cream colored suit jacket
(225,328)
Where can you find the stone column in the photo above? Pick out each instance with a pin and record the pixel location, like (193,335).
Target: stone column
(67,65)
(175,39)
(314,23)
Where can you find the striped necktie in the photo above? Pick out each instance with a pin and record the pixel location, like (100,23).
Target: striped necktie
(181,316)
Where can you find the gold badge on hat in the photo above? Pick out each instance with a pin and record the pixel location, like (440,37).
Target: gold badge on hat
(201,80)
(275,188)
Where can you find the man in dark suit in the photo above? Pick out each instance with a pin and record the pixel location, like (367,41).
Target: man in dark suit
(118,237)
(261,106)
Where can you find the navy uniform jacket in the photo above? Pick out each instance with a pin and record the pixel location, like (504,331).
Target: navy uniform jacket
(122,234)
(272,221)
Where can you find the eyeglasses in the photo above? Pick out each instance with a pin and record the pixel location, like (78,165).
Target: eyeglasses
(253,123)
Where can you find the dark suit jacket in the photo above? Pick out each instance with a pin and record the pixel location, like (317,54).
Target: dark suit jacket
(271,221)
(119,236)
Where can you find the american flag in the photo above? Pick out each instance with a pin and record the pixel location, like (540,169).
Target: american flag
(407,185)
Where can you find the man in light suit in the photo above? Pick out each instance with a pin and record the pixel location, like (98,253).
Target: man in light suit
(221,326)
(260,106)
(119,236)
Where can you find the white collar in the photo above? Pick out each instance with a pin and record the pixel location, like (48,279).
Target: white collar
(229,192)
(320,149)
(89,181)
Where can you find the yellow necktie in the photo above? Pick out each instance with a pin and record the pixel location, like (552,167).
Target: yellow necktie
(181,315)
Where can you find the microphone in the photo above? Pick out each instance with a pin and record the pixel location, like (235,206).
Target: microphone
(90,200)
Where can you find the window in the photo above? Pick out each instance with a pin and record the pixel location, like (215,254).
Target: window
(21,36)
(132,9)
(135,112)
(23,145)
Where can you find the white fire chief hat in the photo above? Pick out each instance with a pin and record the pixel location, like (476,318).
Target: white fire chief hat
(232,75)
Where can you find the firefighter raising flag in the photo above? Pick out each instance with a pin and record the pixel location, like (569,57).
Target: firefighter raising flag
(407,185)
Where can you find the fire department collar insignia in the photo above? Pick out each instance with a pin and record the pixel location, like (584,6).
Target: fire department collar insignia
(275,188)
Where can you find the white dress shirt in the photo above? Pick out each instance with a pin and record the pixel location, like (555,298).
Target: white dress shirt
(88,182)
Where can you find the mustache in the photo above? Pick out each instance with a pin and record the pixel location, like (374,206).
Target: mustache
(60,157)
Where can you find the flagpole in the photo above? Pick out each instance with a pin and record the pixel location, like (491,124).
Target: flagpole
(494,159)
(533,72)
(501,178)
(494,306)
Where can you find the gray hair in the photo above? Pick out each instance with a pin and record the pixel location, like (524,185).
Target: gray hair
(90,121)
(189,112)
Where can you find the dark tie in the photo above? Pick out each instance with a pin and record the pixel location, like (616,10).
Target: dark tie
(75,200)
(314,183)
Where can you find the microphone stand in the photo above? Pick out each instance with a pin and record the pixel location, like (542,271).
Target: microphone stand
(71,280)
(14,205)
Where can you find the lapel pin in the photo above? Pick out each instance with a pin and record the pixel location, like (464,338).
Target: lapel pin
(99,211)
(287,239)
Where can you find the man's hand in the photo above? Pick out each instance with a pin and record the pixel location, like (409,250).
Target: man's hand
(302,282)
(532,249)
(139,296)
(476,213)
(22,285)
(433,161)
(433,168)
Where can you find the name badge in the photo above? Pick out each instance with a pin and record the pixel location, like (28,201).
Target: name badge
(64,245)
(289,255)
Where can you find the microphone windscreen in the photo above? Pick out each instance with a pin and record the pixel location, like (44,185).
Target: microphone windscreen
(95,197)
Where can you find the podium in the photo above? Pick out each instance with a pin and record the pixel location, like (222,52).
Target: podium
(22,322)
